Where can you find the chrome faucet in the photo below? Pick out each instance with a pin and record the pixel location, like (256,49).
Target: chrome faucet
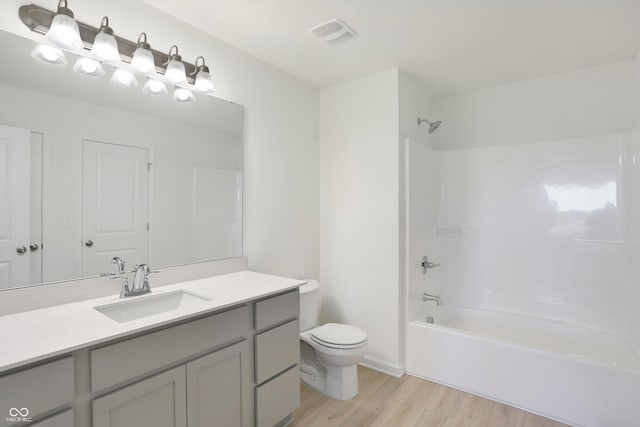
(140,284)
(141,280)
(429,297)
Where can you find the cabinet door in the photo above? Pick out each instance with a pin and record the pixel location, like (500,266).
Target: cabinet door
(158,401)
(219,388)
(64,419)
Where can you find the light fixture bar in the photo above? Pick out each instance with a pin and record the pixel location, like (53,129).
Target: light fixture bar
(38,20)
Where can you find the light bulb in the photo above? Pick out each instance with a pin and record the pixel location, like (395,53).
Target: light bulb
(183,95)
(175,71)
(204,83)
(154,87)
(49,55)
(143,58)
(105,46)
(64,30)
(124,78)
(88,67)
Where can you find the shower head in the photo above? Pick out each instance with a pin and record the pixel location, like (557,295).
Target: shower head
(432,125)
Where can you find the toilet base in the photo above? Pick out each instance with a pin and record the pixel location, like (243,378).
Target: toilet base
(340,383)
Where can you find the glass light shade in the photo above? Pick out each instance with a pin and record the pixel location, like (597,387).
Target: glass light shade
(88,67)
(143,61)
(154,87)
(105,47)
(183,95)
(175,72)
(64,33)
(49,54)
(124,78)
(204,82)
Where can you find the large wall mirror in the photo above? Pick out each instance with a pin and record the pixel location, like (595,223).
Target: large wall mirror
(89,171)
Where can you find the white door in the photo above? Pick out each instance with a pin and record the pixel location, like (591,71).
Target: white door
(115,186)
(15,165)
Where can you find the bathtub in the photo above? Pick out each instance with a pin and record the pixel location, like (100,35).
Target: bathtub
(563,371)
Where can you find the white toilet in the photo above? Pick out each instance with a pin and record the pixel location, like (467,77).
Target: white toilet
(329,354)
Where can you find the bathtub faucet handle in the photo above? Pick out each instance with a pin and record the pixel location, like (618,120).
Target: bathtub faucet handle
(426,264)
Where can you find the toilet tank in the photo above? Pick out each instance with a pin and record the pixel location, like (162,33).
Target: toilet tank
(309,304)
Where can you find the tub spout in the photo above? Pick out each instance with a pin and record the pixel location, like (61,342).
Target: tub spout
(429,297)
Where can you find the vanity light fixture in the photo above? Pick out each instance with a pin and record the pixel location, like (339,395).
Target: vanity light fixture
(182,94)
(49,54)
(154,87)
(64,31)
(97,46)
(142,59)
(88,67)
(105,46)
(123,78)
(175,71)
(203,83)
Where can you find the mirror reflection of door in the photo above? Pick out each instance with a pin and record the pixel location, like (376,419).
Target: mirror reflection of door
(20,207)
(115,206)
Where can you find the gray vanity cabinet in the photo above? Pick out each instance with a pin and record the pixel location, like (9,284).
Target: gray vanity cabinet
(64,419)
(277,351)
(213,390)
(219,388)
(158,401)
(233,368)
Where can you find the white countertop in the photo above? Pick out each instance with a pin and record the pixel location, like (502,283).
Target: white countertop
(36,335)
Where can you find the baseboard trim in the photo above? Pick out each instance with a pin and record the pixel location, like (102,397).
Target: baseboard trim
(382,366)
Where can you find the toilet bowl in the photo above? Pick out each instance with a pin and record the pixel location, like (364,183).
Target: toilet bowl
(329,353)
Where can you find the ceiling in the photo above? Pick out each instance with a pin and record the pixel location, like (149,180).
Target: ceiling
(448,45)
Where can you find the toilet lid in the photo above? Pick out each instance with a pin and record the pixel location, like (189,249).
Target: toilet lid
(336,334)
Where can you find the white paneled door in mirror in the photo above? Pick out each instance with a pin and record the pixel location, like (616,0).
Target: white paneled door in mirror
(115,205)
(15,165)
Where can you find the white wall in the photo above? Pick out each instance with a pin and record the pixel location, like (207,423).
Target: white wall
(281,146)
(359,215)
(593,101)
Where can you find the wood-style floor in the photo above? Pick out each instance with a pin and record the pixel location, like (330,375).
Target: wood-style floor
(385,401)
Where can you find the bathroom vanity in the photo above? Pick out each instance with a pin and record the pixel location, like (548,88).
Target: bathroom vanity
(221,350)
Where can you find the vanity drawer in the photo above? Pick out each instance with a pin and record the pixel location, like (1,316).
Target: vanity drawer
(40,389)
(276,350)
(126,360)
(277,309)
(278,398)
(64,419)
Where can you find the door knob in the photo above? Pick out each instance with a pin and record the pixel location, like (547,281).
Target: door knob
(88,243)
(34,247)
(21,249)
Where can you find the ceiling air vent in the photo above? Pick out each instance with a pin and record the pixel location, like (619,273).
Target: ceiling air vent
(333,31)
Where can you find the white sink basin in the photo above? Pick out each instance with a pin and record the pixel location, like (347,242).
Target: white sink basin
(147,305)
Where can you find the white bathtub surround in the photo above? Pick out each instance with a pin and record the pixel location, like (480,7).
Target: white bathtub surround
(569,373)
(47,332)
(528,196)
